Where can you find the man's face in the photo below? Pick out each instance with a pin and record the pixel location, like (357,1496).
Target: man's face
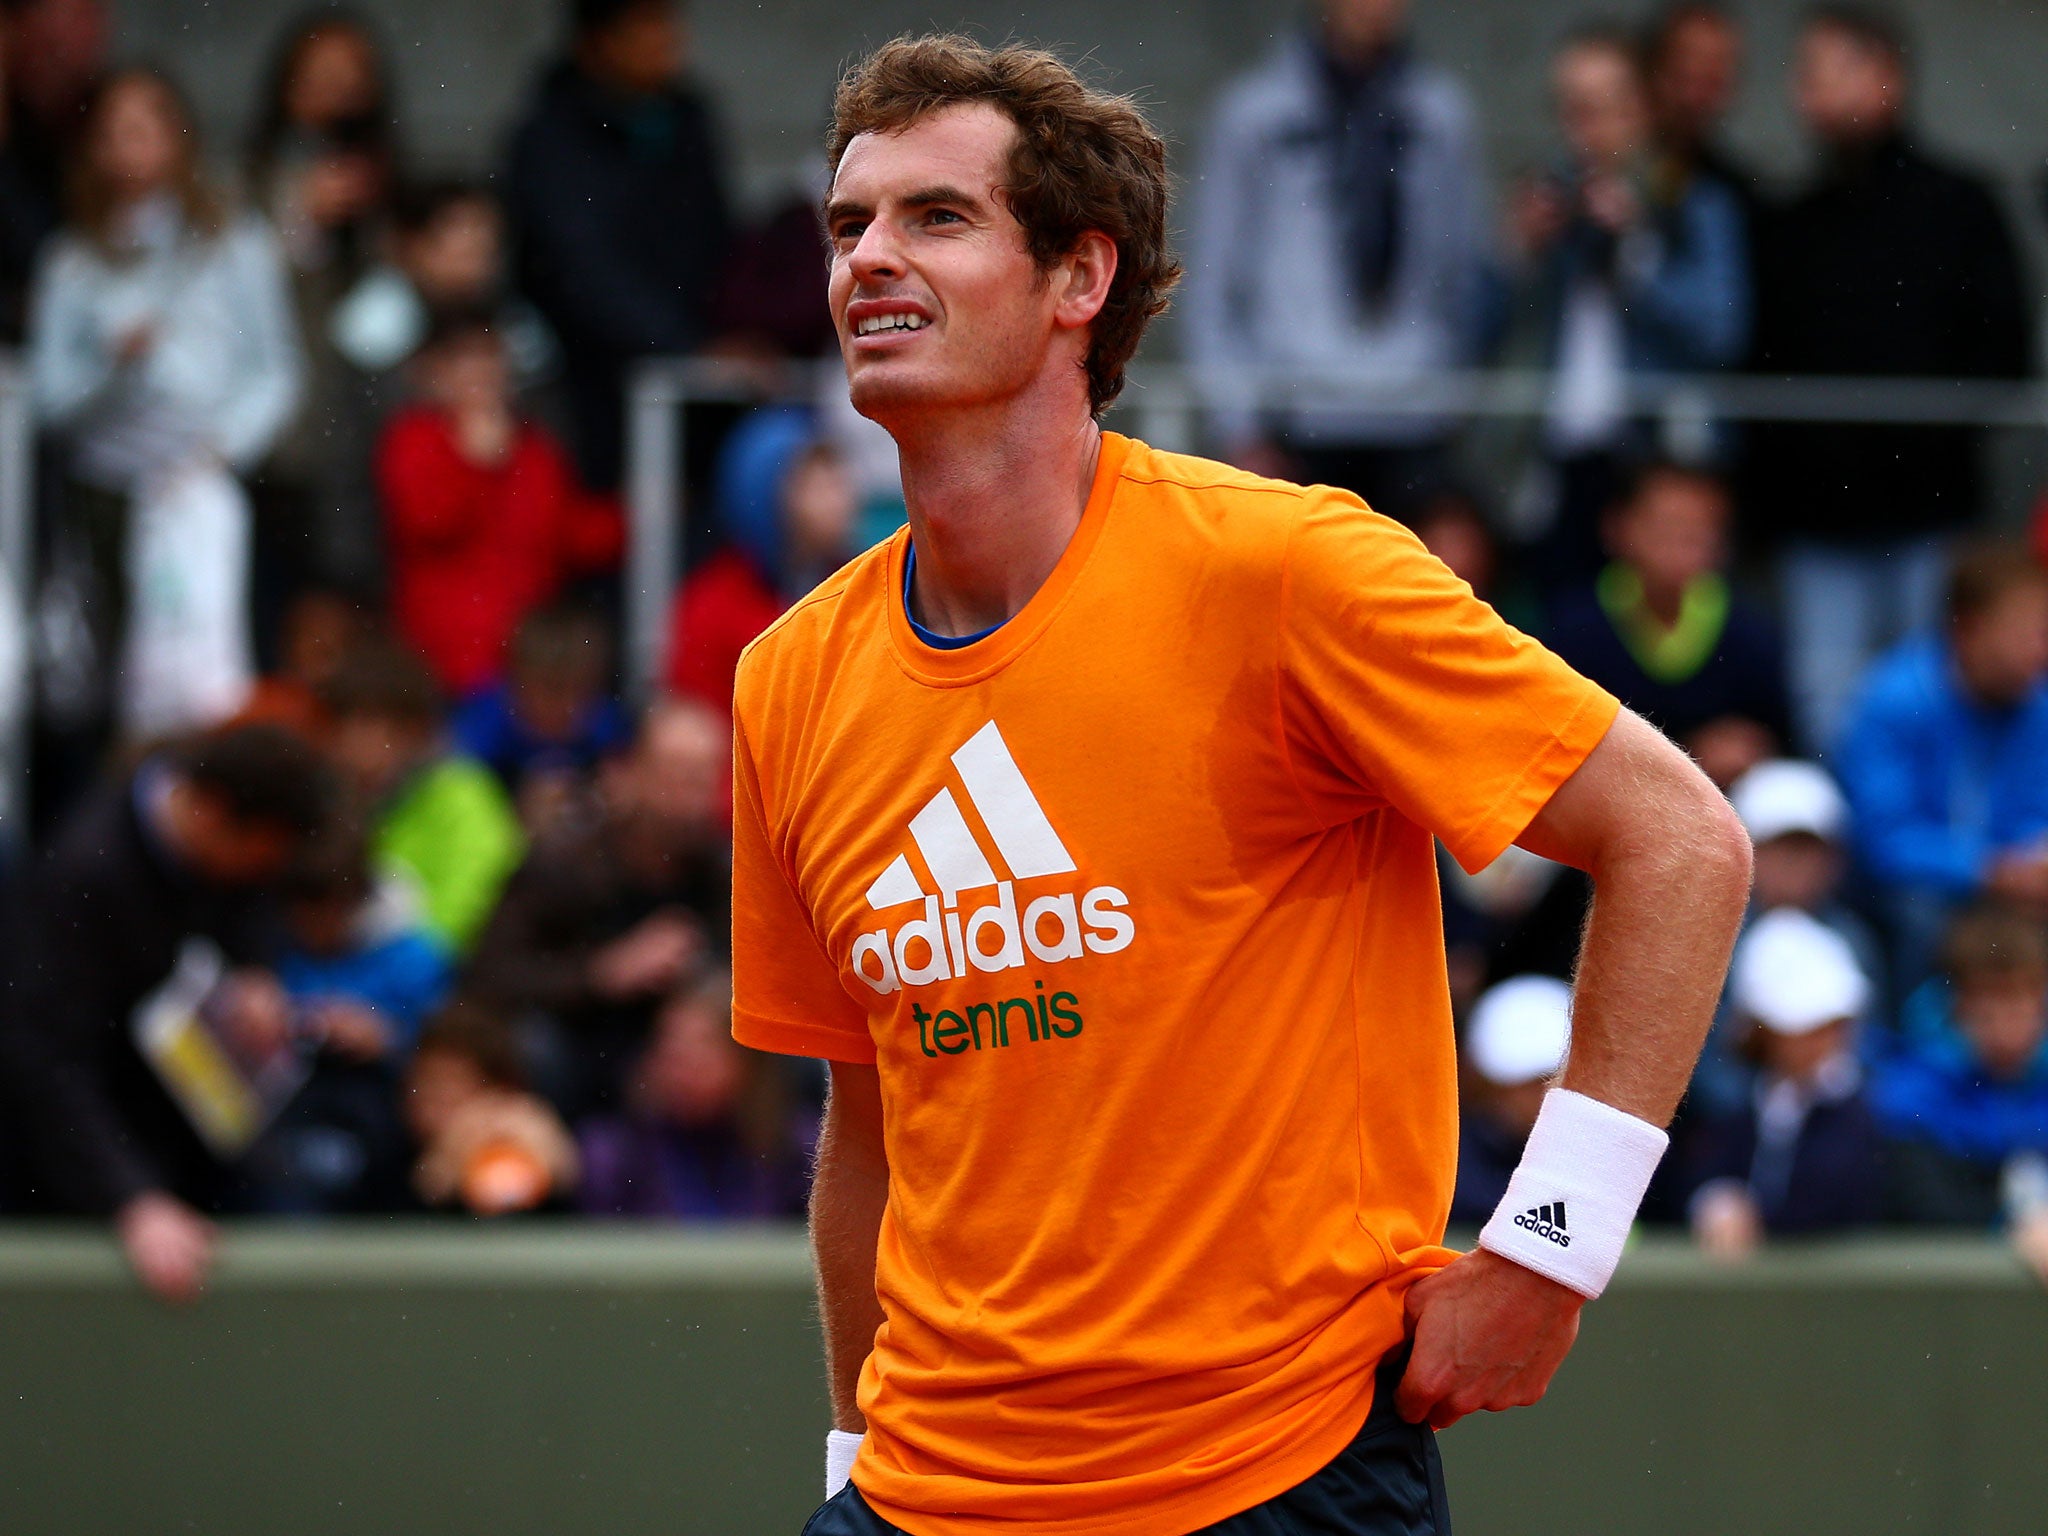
(1696,76)
(1847,91)
(937,302)
(2003,651)
(230,850)
(2004,1018)
(639,52)
(1600,104)
(1358,29)
(1673,532)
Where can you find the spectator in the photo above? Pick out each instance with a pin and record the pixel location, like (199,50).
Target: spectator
(438,818)
(486,1145)
(162,347)
(771,298)
(447,253)
(1627,273)
(362,974)
(322,625)
(483,516)
(618,210)
(321,162)
(1662,630)
(1942,758)
(28,210)
(1802,1153)
(595,931)
(1964,1093)
(157,878)
(1513,1047)
(1694,64)
(708,1129)
(544,729)
(1889,263)
(788,509)
(1339,234)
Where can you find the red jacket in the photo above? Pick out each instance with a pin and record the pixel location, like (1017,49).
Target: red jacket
(722,605)
(475,548)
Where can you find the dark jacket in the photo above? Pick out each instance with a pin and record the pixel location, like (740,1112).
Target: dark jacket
(97,927)
(1827,1175)
(619,218)
(1744,675)
(1890,265)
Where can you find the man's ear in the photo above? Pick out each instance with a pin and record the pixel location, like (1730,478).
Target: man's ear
(1083,279)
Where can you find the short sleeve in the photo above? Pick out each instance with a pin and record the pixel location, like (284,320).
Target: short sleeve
(1399,687)
(786,994)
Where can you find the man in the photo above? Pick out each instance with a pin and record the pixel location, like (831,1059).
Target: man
(1890,263)
(611,915)
(618,210)
(168,863)
(1086,831)
(1942,759)
(1339,229)
(1694,63)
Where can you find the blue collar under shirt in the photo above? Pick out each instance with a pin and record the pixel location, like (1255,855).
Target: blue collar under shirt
(929,637)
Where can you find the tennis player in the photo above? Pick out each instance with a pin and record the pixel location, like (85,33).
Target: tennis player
(1086,831)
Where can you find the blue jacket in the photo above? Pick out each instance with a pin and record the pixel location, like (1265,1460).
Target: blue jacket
(1938,784)
(402,977)
(1928,1087)
(487,727)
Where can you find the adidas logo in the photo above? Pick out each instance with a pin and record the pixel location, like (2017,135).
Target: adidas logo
(944,944)
(1546,1221)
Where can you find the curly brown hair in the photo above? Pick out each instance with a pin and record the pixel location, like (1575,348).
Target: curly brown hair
(1084,160)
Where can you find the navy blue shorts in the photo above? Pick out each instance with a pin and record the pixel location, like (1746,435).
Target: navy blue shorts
(1388,1481)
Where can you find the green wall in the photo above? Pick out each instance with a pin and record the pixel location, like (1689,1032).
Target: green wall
(395,1379)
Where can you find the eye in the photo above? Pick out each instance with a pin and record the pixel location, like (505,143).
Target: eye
(848,230)
(945,216)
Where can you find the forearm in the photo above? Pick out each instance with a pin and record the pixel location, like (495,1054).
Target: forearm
(1666,908)
(848,1195)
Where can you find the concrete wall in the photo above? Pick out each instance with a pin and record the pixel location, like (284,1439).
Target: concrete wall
(533,1380)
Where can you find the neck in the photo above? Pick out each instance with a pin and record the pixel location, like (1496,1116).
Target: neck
(1664,601)
(993,498)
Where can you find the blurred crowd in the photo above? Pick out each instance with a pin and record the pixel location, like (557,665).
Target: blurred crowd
(358,886)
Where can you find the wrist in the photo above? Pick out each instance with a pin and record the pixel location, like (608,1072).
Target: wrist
(841,1447)
(1571,1202)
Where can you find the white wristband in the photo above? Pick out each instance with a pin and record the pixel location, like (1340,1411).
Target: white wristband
(841,1446)
(1574,1196)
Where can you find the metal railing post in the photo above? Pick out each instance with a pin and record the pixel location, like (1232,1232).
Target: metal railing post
(654,520)
(17,571)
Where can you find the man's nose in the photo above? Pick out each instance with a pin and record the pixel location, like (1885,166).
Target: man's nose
(876,254)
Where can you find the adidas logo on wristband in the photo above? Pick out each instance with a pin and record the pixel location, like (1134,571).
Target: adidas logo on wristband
(1547,1222)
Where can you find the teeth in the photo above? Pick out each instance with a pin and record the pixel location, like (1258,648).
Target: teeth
(875,323)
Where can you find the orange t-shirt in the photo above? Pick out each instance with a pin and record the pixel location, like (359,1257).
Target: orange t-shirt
(1133,905)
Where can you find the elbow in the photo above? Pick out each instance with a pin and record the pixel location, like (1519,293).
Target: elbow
(1718,848)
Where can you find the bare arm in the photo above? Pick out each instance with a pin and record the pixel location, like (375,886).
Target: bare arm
(847,1197)
(1670,868)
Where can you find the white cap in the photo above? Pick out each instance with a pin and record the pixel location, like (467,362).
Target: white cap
(1786,795)
(1519,1030)
(1793,974)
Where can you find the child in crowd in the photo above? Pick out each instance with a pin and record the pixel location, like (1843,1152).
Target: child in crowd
(486,1145)
(1964,1092)
(1662,630)
(709,1129)
(1513,1047)
(1803,1153)
(439,818)
(483,517)
(546,726)
(447,252)
(320,626)
(362,974)
(788,507)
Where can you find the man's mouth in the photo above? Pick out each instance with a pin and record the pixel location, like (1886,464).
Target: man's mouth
(874,324)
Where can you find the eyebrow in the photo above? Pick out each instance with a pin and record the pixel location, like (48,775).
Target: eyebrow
(924,197)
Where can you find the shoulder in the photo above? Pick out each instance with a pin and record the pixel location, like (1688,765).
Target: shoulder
(804,639)
(1269,94)
(1440,102)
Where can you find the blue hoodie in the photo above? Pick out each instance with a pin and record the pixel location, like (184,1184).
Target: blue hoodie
(1937,783)
(1928,1086)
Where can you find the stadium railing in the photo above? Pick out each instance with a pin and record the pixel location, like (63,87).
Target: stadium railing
(1164,406)
(17,585)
